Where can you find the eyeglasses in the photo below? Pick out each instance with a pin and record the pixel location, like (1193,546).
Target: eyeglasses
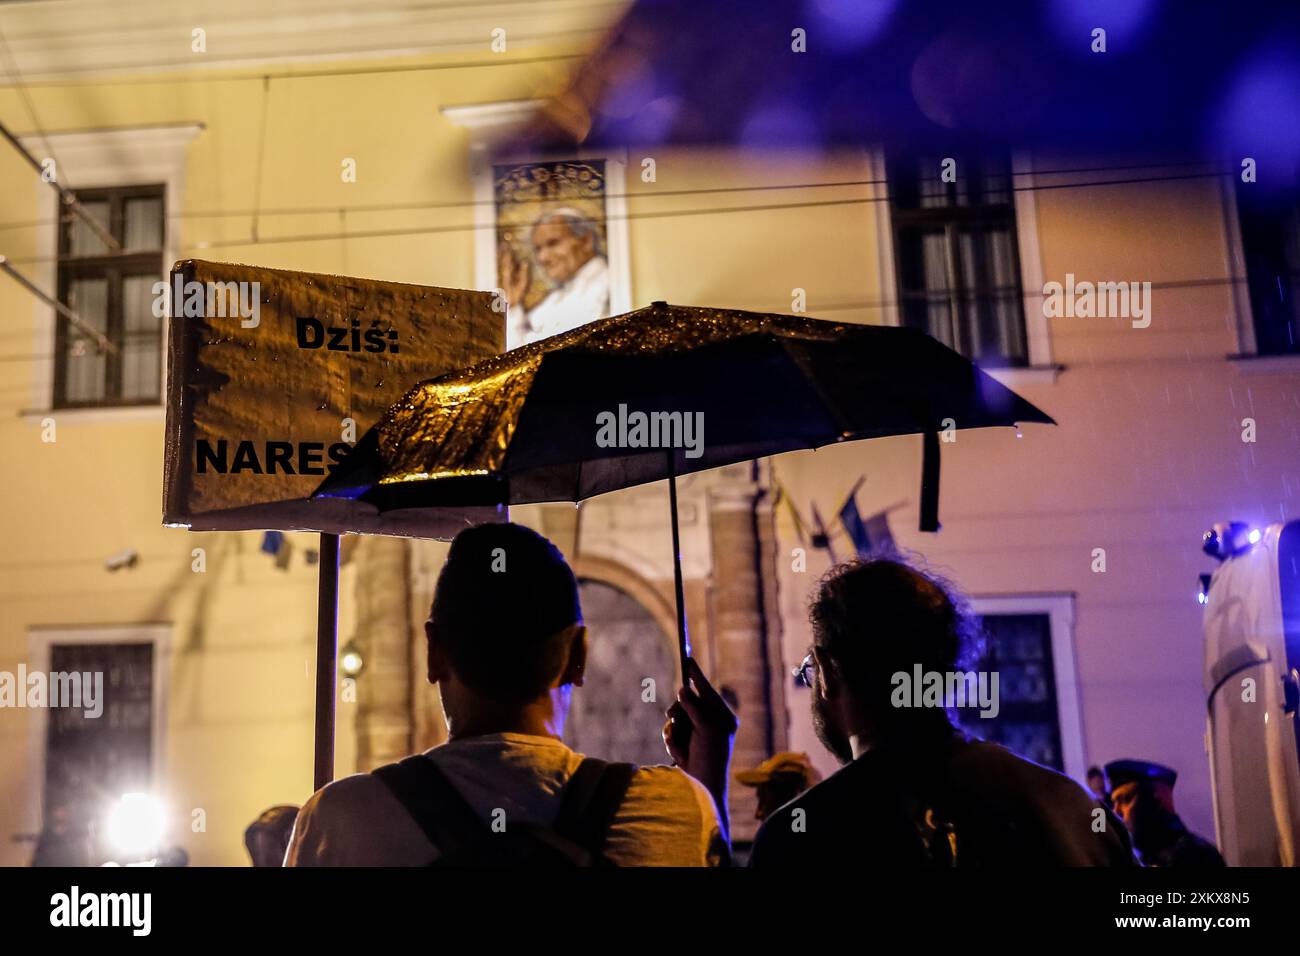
(803,673)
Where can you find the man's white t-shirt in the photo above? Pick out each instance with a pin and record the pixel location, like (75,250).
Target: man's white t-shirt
(666,818)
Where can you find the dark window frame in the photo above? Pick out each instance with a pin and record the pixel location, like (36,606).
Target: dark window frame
(1013,712)
(1272,279)
(978,215)
(113,267)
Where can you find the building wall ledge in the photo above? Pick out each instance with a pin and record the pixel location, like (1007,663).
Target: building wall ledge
(1014,378)
(98,415)
(1265,364)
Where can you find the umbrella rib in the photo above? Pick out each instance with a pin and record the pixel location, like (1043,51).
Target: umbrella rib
(800,362)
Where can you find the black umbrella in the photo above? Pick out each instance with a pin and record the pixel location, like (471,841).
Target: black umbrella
(664,391)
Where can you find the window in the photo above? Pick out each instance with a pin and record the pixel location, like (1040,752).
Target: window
(1018,648)
(1270,240)
(1029,644)
(957,259)
(85,758)
(91,761)
(112,292)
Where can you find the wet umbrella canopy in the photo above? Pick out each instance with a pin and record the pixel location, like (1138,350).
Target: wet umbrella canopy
(599,408)
(659,392)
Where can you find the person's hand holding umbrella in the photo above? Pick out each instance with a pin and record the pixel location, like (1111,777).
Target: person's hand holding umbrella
(707,754)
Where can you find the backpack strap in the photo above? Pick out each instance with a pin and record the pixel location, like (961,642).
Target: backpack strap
(591,798)
(592,795)
(428,796)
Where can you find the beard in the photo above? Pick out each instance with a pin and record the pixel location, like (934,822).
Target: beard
(831,737)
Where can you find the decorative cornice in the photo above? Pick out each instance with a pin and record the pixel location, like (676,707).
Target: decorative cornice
(83,39)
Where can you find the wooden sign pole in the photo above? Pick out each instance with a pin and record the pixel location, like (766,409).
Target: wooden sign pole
(327,626)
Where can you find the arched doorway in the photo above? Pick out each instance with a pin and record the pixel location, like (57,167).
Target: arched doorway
(609,717)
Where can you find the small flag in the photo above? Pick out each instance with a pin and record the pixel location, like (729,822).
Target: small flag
(856,527)
(272,542)
(868,535)
(821,537)
(783,496)
(275,544)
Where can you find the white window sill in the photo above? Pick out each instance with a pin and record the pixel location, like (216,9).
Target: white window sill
(97,415)
(1014,378)
(1265,364)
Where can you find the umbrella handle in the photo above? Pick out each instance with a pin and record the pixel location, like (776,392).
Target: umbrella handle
(681,728)
(683,638)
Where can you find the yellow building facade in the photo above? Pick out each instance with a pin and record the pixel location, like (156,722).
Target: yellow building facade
(379,167)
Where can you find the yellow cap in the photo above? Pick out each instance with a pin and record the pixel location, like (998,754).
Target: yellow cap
(780,765)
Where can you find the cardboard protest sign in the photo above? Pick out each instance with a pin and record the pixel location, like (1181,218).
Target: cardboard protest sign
(272,375)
